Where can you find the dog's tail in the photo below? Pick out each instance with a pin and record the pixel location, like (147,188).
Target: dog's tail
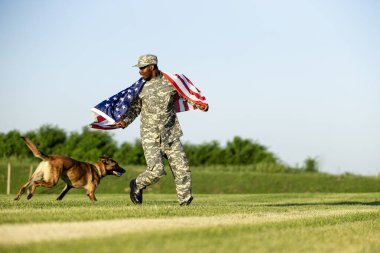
(36,152)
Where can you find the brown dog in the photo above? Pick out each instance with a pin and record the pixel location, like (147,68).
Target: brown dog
(76,174)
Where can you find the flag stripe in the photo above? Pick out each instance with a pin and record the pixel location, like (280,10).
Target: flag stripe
(192,85)
(183,89)
(189,87)
(185,86)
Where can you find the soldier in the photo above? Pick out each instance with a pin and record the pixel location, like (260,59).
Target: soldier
(160,132)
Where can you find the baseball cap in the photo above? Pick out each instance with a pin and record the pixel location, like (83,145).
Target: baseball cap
(145,60)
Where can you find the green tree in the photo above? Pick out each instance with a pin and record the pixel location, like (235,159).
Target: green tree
(49,139)
(243,151)
(311,164)
(137,154)
(122,153)
(11,144)
(204,154)
(130,153)
(90,145)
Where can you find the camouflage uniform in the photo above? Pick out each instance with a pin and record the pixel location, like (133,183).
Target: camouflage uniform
(160,132)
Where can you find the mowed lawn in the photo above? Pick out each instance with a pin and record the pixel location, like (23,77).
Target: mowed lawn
(306,222)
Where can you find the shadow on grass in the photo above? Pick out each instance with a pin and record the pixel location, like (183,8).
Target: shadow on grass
(373,203)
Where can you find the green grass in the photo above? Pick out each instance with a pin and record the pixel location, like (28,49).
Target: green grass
(281,237)
(297,222)
(44,207)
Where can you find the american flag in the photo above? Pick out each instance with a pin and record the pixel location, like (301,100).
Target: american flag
(113,109)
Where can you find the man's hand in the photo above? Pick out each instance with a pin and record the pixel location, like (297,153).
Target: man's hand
(203,108)
(121,124)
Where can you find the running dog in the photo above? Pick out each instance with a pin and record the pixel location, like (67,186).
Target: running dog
(76,174)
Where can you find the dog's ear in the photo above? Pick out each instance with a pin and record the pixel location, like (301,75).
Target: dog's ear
(104,159)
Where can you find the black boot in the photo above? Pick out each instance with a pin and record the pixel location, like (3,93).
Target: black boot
(186,203)
(135,194)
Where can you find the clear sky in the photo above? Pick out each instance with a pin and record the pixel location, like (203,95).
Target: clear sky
(300,77)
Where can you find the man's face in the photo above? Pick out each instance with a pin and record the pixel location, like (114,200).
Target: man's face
(146,72)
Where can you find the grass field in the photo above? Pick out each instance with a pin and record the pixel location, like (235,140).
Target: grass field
(292,222)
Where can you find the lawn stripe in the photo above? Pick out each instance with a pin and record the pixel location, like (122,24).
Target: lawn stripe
(39,232)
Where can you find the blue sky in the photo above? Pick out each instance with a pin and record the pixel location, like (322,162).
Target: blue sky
(300,77)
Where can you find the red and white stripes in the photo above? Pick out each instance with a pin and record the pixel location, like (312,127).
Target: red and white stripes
(187,90)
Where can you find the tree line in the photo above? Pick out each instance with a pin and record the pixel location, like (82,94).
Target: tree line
(89,145)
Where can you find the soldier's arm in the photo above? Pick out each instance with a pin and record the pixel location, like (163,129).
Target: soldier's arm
(131,114)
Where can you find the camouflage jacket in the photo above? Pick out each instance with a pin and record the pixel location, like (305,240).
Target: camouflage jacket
(155,103)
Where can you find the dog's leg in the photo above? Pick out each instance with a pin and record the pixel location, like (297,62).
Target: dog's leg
(64,191)
(46,184)
(90,191)
(91,195)
(40,183)
(31,191)
(23,189)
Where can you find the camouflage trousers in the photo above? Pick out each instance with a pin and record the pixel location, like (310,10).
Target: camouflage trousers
(155,152)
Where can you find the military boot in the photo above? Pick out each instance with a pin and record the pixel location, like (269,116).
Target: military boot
(135,194)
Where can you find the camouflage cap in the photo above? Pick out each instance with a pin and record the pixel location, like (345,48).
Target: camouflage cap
(145,60)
